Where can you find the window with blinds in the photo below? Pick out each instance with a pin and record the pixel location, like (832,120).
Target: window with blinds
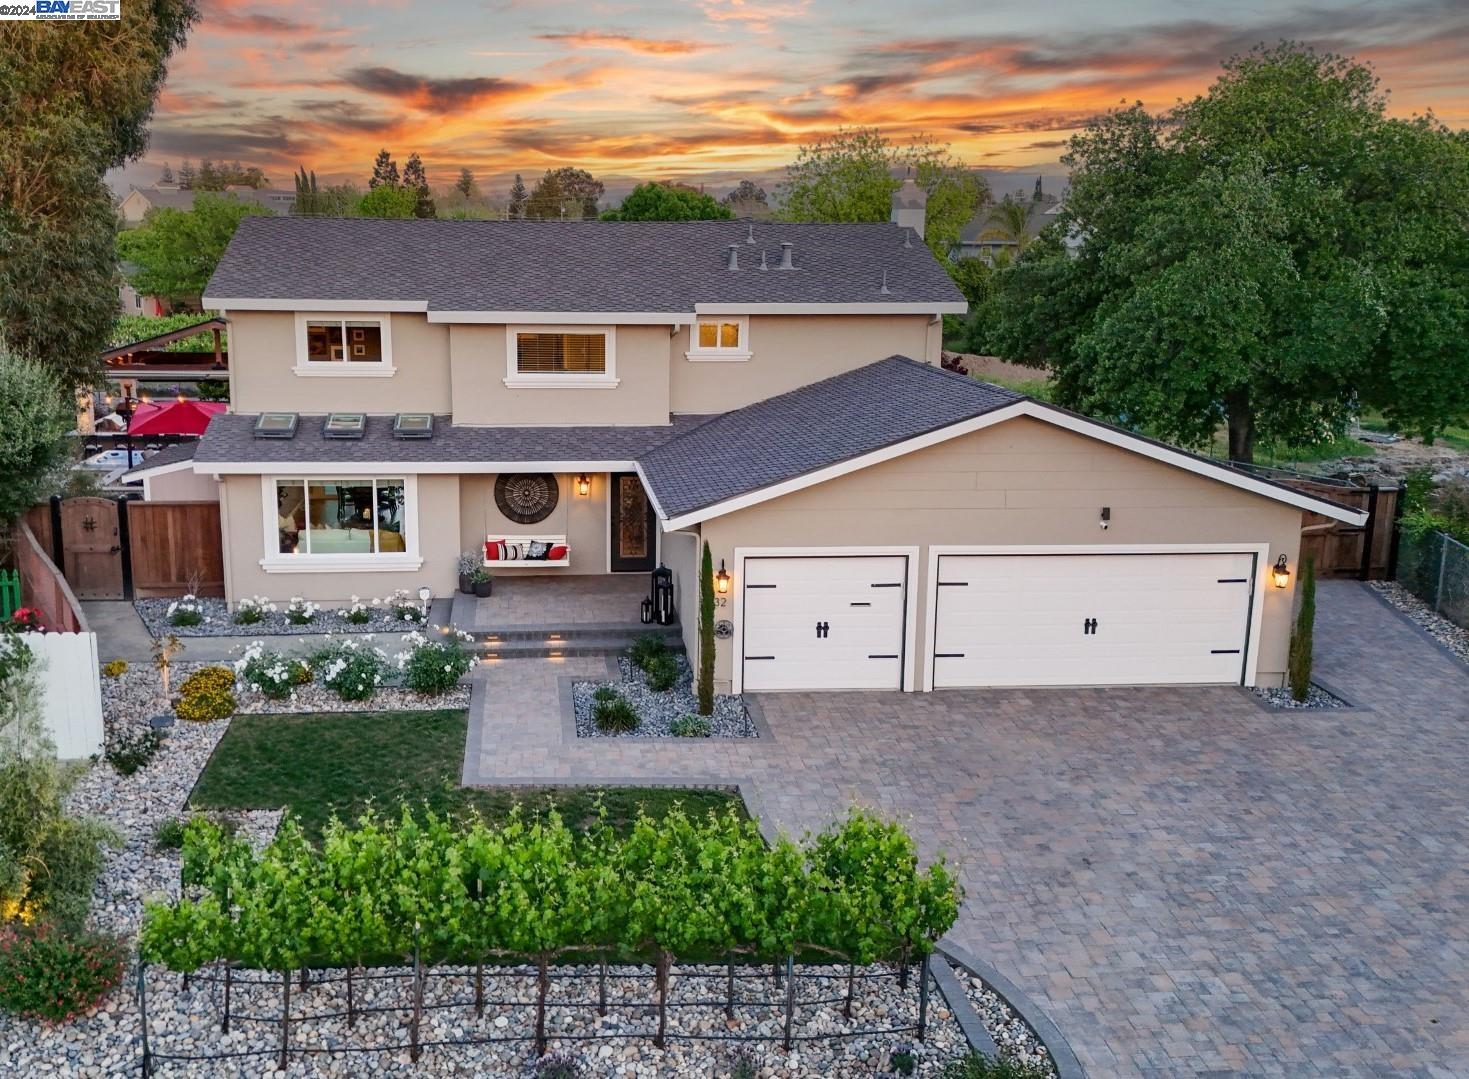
(561,353)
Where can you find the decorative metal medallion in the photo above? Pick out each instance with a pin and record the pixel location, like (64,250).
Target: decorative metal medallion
(526,498)
(724,629)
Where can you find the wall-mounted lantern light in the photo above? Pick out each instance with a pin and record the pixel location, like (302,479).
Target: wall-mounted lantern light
(583,485)
(721,580)
(1281,572)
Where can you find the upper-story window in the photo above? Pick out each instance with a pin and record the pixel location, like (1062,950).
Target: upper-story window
(561,356)
(345,345)
(723,338)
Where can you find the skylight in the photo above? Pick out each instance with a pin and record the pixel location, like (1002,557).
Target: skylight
(276,425)
(344,425)
(414,425)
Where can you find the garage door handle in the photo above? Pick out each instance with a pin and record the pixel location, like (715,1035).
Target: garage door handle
(1088,626)
(1224,651)
(759,657)
(894,584)
(871,655)
(859,605)
(948,655)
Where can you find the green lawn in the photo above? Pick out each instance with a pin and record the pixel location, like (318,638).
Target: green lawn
(318,763)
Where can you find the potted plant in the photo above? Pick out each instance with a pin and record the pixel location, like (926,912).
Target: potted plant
(482,581)
(468,563)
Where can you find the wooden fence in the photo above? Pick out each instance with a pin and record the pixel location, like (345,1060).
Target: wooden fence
(70,691)
(43,585)
(1343,550)
(174,546)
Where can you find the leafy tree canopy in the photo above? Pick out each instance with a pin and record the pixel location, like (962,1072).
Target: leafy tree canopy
(1272,255)
(384,171)
(747,197)
(667,202)
(33,446)
(384,201)
(852,176)
(176,251)
(76,100)
(564,192)
(465,185)
(415,179)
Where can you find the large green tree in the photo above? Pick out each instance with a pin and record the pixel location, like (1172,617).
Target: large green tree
(564,193)
(1270,257)
(76,99)
(175,251)
(668,202)
(385,201)
(853,174)
(38,413)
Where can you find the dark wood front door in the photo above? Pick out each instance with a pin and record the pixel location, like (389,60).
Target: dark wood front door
(92,547)
(634,531)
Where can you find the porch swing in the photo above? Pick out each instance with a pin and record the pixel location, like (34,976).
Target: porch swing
(529,498)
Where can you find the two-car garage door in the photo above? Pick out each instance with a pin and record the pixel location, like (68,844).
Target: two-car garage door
(1014,619)
(1091,619)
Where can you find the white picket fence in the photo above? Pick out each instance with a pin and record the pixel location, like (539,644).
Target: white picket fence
(71,689)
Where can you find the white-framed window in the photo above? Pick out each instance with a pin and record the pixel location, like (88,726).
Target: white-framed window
(343,345)
(324,523)
(561,357)
(722,337)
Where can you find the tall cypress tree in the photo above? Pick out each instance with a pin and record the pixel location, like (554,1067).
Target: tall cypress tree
(415,179)
(519,196)
(1303,641)
(706,634)
(384,170)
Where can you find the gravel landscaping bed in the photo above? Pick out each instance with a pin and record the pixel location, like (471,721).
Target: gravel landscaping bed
(316,698)
(1452,637)
(1011,1033)
(1316,697)
(187,1021)
(657,711)
(219,622)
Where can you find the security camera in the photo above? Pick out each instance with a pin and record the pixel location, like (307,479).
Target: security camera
(1106,520)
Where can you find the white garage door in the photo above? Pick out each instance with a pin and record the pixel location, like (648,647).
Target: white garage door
(824,622)
(1093,619)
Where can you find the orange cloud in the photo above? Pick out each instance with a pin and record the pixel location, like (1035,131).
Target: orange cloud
(646,46)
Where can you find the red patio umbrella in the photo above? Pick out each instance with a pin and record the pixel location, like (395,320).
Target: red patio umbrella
(185,417)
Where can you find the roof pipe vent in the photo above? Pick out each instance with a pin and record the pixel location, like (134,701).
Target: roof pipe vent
(751,237)
(734,257)
(764,265)
(908,238)
(885,290)
(787,249)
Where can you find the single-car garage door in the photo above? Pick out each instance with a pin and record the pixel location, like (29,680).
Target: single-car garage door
(824,622)
(1091,619)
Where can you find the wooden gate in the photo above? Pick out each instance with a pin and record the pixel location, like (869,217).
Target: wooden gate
(1342,550)
(175,546)
(91,546)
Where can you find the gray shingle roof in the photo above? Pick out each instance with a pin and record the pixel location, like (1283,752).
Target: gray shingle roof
(231,440)
(830,421)
(169,455)
(647,266)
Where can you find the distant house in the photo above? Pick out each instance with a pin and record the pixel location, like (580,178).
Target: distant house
(979,239)
(139,200)
(132,302)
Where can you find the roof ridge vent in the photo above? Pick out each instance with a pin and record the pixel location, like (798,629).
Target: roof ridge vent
(751,237)
(787,250)
(734,257)
(764,265)
(885,290)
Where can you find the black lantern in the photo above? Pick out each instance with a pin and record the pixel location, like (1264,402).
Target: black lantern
(663,595)
(647,614)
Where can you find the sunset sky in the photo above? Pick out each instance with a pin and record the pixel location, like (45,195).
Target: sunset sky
(714,89)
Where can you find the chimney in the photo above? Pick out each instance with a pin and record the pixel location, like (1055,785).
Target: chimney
(786,250)
(909,203)
(734,257)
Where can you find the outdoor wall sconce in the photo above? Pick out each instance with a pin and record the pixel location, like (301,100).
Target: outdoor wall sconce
(583,485)
(1281,572)
(721,580)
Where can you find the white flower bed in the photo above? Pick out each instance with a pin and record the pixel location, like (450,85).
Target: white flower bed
(219,621)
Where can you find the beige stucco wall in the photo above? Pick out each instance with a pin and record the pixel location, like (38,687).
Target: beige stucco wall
(478,364)
(582,520)
(1021,482)
(263,369)
(681,552)
(241,518)
(788,351)
(182,486)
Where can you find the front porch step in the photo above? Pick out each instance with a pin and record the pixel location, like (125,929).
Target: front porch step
(581,644)
(567,631)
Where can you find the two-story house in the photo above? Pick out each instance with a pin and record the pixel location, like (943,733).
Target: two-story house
(597,398)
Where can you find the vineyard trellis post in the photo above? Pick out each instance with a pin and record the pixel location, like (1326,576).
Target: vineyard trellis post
(542,984)
(351,1011)
(143,1015)
(285,1018)
(417,998)
(790,999)
(729,990)
(602,984)
(224,1026)
(923,998)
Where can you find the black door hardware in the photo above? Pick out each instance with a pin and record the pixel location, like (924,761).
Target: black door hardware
(1088,627)
(822,629)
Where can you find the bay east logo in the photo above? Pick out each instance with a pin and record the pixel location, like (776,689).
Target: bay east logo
(62,11)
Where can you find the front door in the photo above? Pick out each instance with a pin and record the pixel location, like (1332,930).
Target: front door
(634,530)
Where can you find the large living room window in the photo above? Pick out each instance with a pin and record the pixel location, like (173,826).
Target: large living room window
(355,523)
(564,356)
(342,345)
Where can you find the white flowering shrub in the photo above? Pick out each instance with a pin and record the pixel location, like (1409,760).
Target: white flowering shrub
(300,611)
(251,610)
(350,668)
(357,612)
(405,606)
(269,673)
(434,667)
(186,611)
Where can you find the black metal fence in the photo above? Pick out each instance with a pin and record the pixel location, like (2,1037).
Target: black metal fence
(260,999)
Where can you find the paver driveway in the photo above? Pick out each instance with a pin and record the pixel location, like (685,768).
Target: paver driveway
(1185,881)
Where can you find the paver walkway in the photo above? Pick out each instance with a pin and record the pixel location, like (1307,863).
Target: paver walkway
(1186,881)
